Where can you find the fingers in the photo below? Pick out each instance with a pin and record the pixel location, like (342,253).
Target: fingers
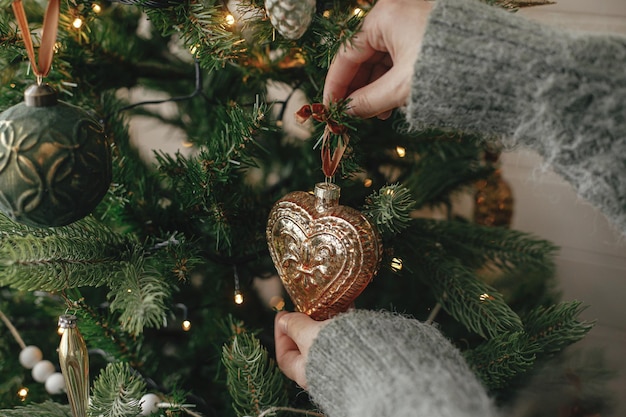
(294,334)
(382,95)
(345,67)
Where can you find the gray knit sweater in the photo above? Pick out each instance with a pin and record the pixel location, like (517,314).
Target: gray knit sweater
(561,94)
(485,70)
(377,364)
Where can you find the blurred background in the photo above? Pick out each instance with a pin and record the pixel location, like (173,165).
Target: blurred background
(592,260)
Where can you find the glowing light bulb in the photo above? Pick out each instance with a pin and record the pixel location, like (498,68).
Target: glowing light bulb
(277,303)
(238,297)
(368,182)
(396,264)
(485,297)
(400,151)
(96,8)
(357,12)
(22,393)
(326,14)
(186,325)
(230,20)
(77,23)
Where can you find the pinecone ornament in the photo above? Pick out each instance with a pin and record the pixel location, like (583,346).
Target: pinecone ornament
(291,18)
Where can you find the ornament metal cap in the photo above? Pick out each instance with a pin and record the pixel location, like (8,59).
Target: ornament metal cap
(326,196)
(67,321)
(40,95)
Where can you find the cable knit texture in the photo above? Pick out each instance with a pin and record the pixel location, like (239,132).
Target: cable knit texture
(562,94)
(378,364)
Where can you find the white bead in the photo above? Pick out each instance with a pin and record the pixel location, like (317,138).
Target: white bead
(55,383)
(29,356)
(149,404)
(42,370)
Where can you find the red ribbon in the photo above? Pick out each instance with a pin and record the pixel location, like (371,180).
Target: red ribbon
(320,113)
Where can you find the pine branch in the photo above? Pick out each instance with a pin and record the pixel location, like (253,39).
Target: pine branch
(447,163)
(117,391)
(503,248)
(557,326)
(503,357)
(140,295)
(254,382)
(203,30)
(46,409)
(51,259)
(478,306)
(390,209)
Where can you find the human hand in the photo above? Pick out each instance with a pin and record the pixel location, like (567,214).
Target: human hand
(294,334)
(375,69)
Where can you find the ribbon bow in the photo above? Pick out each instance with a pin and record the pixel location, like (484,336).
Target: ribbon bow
(320,113)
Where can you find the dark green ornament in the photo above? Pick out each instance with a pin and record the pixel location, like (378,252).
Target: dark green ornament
(55,161)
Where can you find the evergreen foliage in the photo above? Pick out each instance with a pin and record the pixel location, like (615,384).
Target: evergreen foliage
(253,380)
(116,392)
(46,409)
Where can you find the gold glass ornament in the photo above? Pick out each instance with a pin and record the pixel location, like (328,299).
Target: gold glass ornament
(493,199)
(55,161)
(325,253)
(74,362)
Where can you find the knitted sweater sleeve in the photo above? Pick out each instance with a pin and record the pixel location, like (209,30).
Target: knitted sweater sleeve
(366,363)
(562,94)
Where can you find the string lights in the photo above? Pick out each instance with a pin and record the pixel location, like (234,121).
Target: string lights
(238,293)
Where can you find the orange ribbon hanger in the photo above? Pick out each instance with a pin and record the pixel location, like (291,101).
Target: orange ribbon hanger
(320,113)
(49,31)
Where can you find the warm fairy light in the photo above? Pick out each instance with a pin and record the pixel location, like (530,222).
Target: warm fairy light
(129,290)
(186,325)
(400,151)
(396,264)
(238,297)
(389,191)
(12,85)
(277,303)
(485,297)
(368,182)
(22,393)
(187,144)
(77,23)
(96,8)
(357,12)
(230,20)
(326,14)
(193,49)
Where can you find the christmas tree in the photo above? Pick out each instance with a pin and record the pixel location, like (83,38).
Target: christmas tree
(170,276)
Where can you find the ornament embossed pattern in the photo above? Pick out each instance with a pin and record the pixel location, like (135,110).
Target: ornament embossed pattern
(325,253)
(55,164)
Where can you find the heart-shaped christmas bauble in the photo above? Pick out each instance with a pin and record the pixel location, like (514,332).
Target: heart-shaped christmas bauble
(325,253)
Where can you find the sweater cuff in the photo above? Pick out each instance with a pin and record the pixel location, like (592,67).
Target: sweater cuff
(475,67)
(366,363)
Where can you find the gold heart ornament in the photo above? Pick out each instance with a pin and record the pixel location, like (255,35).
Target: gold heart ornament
(325,253)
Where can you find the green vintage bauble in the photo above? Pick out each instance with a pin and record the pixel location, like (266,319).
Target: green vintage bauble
(55,161)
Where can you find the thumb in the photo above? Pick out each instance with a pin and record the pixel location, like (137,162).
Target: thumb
(301,328)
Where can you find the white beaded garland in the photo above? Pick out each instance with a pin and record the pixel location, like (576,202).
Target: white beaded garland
(29,356)
(55,384)
(149,404)
(42,370)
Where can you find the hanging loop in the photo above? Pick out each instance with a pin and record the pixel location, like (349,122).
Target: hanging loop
(41,68)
